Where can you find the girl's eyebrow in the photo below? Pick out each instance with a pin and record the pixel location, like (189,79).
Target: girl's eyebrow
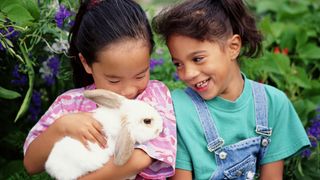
(191,54)
(143,71)
(111,76)
(196,52)
(115,76)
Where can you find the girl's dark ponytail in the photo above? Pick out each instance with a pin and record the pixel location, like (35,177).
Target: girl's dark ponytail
(80,77)
(244,24)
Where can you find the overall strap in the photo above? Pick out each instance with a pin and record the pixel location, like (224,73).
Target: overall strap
(210,131)
(261,109)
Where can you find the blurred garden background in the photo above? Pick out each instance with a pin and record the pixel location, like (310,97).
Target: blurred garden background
(34,69)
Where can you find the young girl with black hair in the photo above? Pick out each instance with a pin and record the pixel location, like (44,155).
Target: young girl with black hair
(110,45)
(229,127)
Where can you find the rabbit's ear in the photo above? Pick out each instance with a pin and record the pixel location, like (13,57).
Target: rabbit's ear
(124,147)
(104,98)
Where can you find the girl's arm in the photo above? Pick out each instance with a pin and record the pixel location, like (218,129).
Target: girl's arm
(272,171)
(80,126)
(137,162)
(182,175)
(38,151)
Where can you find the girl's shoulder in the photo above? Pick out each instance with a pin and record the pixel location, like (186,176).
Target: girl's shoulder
(73,96)
(275,93)
(275,96)
(77,91)
(156,93)
(155,84)
(156,88)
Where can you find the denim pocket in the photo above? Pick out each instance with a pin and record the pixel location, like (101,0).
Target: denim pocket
(246,167)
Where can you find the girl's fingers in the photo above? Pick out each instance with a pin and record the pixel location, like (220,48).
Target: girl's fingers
(101,136)
(100,139)
(89,137)
(98,127)
(85,142)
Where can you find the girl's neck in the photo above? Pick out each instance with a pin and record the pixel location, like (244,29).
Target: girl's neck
(235,87)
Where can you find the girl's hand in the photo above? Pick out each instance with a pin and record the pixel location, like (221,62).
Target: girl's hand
(83,127)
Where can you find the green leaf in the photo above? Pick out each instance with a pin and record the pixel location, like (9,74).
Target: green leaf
(11,167)
(282,62)
(277,29)
(266,5)
(309,51)
(8,94)
(2,17)
(18,14)
(26,101)
(32,7)
(6,3)
(300,78)
(292,10)
(304,107)
(301,37)
(288,37)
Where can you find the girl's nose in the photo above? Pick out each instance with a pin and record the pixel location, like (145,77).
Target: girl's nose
(190,72)
(129,92)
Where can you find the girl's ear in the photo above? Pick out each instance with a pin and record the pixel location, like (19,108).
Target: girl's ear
(85,64)
(234,46)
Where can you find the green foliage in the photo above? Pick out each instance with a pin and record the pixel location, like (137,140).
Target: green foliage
(30,40)
(291,63)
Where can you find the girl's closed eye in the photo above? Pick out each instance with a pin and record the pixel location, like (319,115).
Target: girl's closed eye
(141,76)
(113,81)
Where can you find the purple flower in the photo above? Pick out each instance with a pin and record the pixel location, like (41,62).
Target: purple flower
(314,129)
(61,15)
(18,78)
(175,76)
(12,34)
(35,106)
(71,23)
(9,33)
(1,47)
(50,69)
(306,153)
(155,62)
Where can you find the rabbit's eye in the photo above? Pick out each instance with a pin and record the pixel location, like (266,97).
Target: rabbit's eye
(147,121)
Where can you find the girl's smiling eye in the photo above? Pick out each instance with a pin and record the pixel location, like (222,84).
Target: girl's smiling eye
(176,64)
(197,59)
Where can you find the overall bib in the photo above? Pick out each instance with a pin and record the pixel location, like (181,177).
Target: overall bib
(239,160)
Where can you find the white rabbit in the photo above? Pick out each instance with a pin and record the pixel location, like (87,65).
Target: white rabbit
(125,122)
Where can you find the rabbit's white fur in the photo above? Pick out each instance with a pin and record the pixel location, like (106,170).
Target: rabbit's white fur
(125,122)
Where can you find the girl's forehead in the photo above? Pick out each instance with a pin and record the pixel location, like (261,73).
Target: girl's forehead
(125,44)
(125,57)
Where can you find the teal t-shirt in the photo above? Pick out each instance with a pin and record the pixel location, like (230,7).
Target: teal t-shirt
(235,121)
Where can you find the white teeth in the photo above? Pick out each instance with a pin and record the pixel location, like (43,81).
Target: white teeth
(202,84)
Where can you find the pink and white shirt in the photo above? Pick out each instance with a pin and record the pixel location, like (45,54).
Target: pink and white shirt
(162,149)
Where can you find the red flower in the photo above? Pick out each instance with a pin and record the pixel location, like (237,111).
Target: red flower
(285,51)
(276,50)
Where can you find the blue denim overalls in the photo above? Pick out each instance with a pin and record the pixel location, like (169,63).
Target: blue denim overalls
(239,160)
